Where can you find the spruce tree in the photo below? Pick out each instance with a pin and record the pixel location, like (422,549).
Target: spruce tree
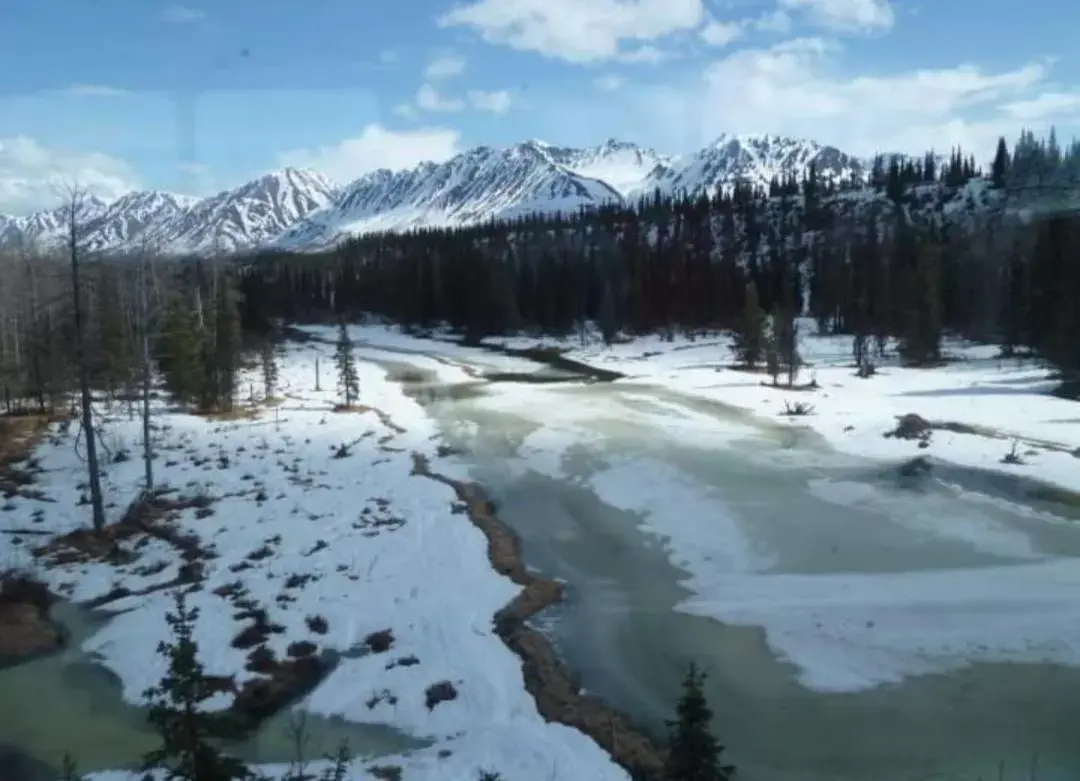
(693,751)
(268,361)
(227,342)
(188,751)
(348,382)
(1000,167)
(751,337)
(772,351)
(115,359)
(221,350)
(180,351)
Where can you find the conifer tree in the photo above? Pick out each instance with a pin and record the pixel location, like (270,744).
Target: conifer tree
(920,341)
(115,359)
(188,751)
(268,362)
(752,336)
(1000,167)
(693,751)
(180,351)
(221,350)
(772,351)
(348,382)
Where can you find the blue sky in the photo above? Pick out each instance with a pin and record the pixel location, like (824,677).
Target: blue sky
(201,96)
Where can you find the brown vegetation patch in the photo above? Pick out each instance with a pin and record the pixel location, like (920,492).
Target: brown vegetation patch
(379,642)
(546,677)
(384,417)
(443,691)
(19,437)
(236,413)
(386,772)
(25,626)
(282,681)
(148,517)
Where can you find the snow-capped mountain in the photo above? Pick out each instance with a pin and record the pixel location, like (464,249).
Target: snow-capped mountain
(477,185)
(756,160)
(301,209)
(126,220)
(627,168)
(48,226)
(249,216)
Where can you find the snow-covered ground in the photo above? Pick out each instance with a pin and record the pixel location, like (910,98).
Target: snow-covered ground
(386,551)
(849,631)
(379,550)
(1015,597)
(1011,397)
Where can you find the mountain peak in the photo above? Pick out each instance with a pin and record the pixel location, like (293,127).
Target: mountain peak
(301,208)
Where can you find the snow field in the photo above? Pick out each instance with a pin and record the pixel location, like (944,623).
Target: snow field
(366,546)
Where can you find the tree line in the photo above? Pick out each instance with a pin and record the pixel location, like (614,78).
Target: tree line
(925,247)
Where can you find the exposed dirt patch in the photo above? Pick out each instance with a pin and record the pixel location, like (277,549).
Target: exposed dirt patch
(379,642)
(443,691)
(282,682)
(279,681)
(25,627)
(546,677)
(236,413)
(149,517)
(383,417)
(19,436)
(386,772)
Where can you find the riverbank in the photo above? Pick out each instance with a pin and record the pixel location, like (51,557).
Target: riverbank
(26,628)
(546,677)
(311,537)
(980,407)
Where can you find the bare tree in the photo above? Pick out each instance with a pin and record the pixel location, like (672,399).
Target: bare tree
(75,202)
(146,369)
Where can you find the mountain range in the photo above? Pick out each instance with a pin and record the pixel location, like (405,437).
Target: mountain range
(301,209)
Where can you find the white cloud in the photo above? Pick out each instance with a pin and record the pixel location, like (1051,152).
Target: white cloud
(776,21)
(608,83)
(32,176)
(445,67)
(578,31)
(182,14)
(845,15)
(793,89)
(647,54)
(96,91)
(430,99)
(377,147)
(721,33)
(493,101)
(1046,105)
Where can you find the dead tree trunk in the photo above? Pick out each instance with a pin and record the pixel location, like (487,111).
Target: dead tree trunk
(144,327)
(96,501)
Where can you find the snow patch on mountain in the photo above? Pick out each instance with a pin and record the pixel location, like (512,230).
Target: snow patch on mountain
(626,167)
(245,218)
(756,160)
(478,185)
(47,227)
(125,220)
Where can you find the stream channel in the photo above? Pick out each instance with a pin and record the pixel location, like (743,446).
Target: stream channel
(537,440)
(539,447)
